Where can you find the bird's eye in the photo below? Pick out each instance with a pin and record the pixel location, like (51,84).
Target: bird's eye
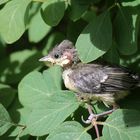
(56,56)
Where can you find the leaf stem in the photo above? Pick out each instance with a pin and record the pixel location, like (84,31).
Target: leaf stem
(20,132)
(112,6)
(19,125)
(89,127)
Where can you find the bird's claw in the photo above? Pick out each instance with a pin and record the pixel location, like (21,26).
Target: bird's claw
(90,118)
(93,117)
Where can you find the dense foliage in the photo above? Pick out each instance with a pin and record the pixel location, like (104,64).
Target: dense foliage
(34,104)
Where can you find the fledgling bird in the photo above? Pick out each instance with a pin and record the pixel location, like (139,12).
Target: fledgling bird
(92,81)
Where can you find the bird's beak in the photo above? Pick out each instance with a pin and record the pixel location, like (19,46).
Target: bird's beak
(47,59)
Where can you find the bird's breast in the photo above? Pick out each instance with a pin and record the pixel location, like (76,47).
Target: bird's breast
(69,83)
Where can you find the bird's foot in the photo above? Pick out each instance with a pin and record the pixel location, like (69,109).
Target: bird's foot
(96,116)
(92,119)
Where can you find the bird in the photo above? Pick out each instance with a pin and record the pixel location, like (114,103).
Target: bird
(92,81)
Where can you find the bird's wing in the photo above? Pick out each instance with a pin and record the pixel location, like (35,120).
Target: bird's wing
(91,78)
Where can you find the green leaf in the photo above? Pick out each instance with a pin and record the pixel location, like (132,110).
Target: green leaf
(89,16)
(131,3)
(24,114)
(49,10)
(53,112)
(18,64)
(95,39)
(18,115)
(35,88)
(13,20)
(78,7)
(122,125)
(69,131)
(38,29)
(101,138)
(126,30)
(3,1)
(53,77)
(7,95)
(74,30)
(112,55)
(5,121)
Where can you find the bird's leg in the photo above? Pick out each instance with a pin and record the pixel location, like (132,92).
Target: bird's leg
(96,116)
(115,106)
(105,113)
(92,119)
(91,116)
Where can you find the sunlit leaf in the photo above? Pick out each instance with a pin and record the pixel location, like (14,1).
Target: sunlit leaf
(122,124)
(13,19)
(69,131)
(53,76)
(131,3)
(35,88)
(38,29)
(56,109)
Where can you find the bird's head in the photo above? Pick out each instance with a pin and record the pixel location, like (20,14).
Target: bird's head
(64,54)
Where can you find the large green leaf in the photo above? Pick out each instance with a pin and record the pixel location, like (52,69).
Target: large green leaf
(51,106)
(7,95)
(5,121)
(95,39)
(122,125)
(13,20)
(35,88)
(53,112)
(69,131)
(38,29)
(126,30)
(53,11)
